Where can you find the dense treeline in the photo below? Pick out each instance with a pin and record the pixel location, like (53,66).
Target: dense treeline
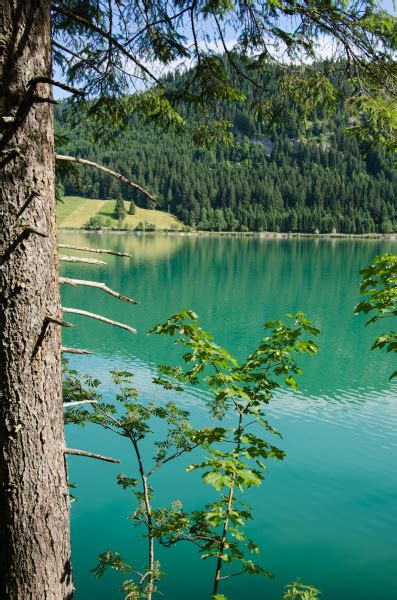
(295,178)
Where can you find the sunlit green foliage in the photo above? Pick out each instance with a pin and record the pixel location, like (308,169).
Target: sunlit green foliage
(129,418)
(299,591)
(111,48)
(379,287)
(234,457)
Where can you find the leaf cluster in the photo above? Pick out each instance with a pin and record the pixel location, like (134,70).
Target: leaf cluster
(299,591)
(379,288)
(236,456)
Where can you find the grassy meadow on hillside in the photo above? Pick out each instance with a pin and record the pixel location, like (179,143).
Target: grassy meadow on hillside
(74,212)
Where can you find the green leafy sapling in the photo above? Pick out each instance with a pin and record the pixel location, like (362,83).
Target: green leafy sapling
(236,455)
(134,421)
(379,286)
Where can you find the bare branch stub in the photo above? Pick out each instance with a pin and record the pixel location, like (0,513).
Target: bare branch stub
(96,284)
(85,313)
(78,402)
(79,259)
(41,100)
(25,233)
(31,196)
(66,350)
(97,250)
(75,452)
(60,84)
(40,338)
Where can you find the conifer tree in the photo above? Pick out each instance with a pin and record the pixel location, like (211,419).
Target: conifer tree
(132,209)
(119,210)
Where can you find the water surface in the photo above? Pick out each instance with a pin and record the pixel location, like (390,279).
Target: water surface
(327,513)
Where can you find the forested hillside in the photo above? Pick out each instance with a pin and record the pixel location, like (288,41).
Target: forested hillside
(294,177)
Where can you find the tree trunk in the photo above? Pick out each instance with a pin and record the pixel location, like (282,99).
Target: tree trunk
(34,503)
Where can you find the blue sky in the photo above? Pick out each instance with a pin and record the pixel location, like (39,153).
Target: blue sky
(389,5)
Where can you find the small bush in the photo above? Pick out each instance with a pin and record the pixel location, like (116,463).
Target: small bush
(96,222)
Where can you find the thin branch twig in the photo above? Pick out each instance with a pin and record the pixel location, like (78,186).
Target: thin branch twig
(89,25)
(75,452)
(171,457)
(76,56)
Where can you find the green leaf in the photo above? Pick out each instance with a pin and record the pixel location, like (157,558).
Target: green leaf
(217,480)
(290,381)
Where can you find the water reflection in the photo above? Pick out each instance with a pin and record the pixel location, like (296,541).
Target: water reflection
(328,512)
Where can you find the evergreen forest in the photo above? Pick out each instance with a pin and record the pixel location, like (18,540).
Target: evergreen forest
(299,175)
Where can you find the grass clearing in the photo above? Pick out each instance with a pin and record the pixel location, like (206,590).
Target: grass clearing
(76,211)
(67,206)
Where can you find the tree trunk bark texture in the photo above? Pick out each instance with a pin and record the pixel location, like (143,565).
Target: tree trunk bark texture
(34,502)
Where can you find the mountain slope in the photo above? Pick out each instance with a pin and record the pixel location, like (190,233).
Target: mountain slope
(293,178)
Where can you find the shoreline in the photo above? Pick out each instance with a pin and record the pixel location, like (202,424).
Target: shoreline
(239,234)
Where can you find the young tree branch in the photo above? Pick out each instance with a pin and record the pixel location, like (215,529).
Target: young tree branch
(85,313)
(171,457)
(96,284)
(90,163)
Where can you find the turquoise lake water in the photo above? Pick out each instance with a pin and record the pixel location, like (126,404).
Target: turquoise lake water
(328,512)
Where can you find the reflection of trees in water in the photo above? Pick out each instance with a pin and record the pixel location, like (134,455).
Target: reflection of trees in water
(235,284)
(141,247)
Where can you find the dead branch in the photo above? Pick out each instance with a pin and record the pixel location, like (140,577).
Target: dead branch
(79,259)
(63,86)
(42,100)
(97,250)
(91,455)
(78,402)
(32,230)
(90,163)
(96,284)
(85,313)
(233,575)
(56,321)
(66,350)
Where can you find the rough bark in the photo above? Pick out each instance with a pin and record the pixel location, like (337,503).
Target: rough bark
(34,502)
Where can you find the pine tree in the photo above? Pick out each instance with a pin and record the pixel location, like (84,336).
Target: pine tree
(132,209)
(119,210)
